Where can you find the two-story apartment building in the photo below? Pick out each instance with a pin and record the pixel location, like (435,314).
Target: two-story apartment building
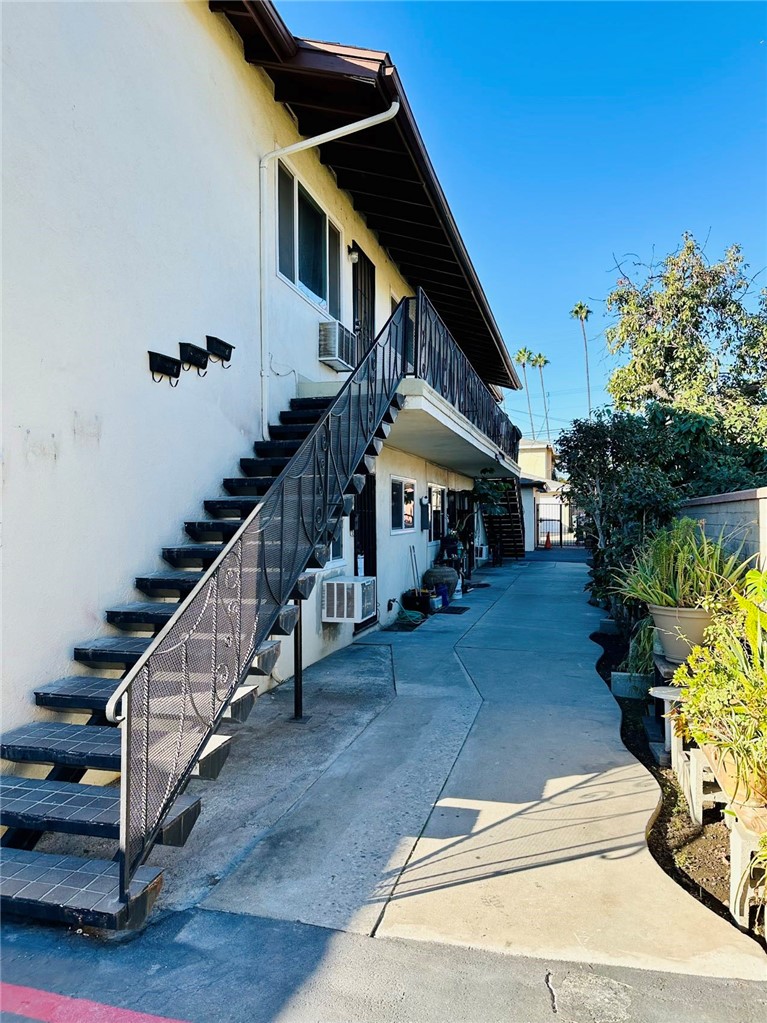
(179,178)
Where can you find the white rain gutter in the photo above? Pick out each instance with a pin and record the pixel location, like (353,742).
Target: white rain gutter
(297,147)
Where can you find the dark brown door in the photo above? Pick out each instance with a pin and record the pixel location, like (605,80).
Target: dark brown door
(365,532)
(364,299)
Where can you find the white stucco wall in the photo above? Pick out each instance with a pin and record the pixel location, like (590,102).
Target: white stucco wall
(394,572)
(131,140)
(528,513)
(741,516)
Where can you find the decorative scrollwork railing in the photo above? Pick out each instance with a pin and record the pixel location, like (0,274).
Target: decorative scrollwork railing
(440,362)
(173,699)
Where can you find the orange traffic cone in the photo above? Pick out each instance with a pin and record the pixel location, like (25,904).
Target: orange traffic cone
(547,545)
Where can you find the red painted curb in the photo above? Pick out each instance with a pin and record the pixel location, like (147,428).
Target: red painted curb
(47,1007)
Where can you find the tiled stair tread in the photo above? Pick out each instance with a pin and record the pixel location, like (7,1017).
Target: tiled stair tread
(320,402)
(44,805)
(179,580)
(71,889)
(77,692)
(112,649)
(53,742)
(240,503)
(208,550)
(201,527)
(142,611)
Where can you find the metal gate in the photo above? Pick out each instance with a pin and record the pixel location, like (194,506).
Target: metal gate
(555,524)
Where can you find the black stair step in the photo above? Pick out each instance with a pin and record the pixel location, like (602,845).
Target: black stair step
(240,505)
(247,484)
(311,403)
(319,556)
(266,657)
(166,584)
(205,528)
(276,448)
(193,553)
(303,586)
(74,890)
(356,483)
(142,612)
(78,692)
(383,429)
(52,742)
(39,804)
(301,415)
(110,651)
(213,758)
(291,431)
(367,465)
(251,467)
(286,621)
(398,401)
(374,447)
(242,703)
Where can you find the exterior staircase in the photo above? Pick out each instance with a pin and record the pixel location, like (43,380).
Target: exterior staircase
(90,892)
(506,532)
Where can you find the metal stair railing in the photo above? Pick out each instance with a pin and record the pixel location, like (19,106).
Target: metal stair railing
(172,700)
(440,362)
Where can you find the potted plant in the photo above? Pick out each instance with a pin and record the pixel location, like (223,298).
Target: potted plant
(634,676)
(724,701)
(682,575)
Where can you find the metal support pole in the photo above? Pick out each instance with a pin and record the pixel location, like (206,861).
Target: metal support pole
(298,668)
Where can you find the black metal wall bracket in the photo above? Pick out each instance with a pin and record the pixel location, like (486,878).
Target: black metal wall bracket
(193,355)
(219,351)
(164,366)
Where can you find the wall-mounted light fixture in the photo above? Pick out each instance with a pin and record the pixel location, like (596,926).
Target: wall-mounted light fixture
(193,355)
(354,255)
(164,366)
(218,350)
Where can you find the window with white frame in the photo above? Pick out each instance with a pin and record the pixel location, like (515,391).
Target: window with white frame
(402,504)
(308,244)
(437,512)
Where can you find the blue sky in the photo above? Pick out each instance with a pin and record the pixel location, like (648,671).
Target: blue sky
(567,133)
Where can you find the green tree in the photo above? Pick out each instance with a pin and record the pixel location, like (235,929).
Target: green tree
(696,340)
(580,311)
(524,357)
(539,361)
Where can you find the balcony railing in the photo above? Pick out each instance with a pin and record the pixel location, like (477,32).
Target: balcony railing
(439,361)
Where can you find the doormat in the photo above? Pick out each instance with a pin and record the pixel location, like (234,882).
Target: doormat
(452,610)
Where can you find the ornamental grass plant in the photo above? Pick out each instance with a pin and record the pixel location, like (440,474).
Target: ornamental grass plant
(680,566)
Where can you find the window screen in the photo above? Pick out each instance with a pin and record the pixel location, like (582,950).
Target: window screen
(334,272)
(396,504)
(311,245)
(408,502)
(286,244)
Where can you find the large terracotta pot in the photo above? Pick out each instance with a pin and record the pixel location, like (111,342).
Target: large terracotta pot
(747,795)
(679,629)
(441,575)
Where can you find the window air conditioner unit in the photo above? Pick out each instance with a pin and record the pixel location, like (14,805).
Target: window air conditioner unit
(349,599)
(338,346)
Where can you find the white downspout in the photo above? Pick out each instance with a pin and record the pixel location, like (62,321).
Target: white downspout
(317,140)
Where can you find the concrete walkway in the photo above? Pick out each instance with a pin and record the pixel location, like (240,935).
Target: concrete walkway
(462,795)
(492,804)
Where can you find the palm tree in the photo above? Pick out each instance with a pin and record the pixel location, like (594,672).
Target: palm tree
(580,311)
(522,358)
(539,361)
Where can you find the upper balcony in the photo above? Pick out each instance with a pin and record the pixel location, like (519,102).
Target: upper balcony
(450,416)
